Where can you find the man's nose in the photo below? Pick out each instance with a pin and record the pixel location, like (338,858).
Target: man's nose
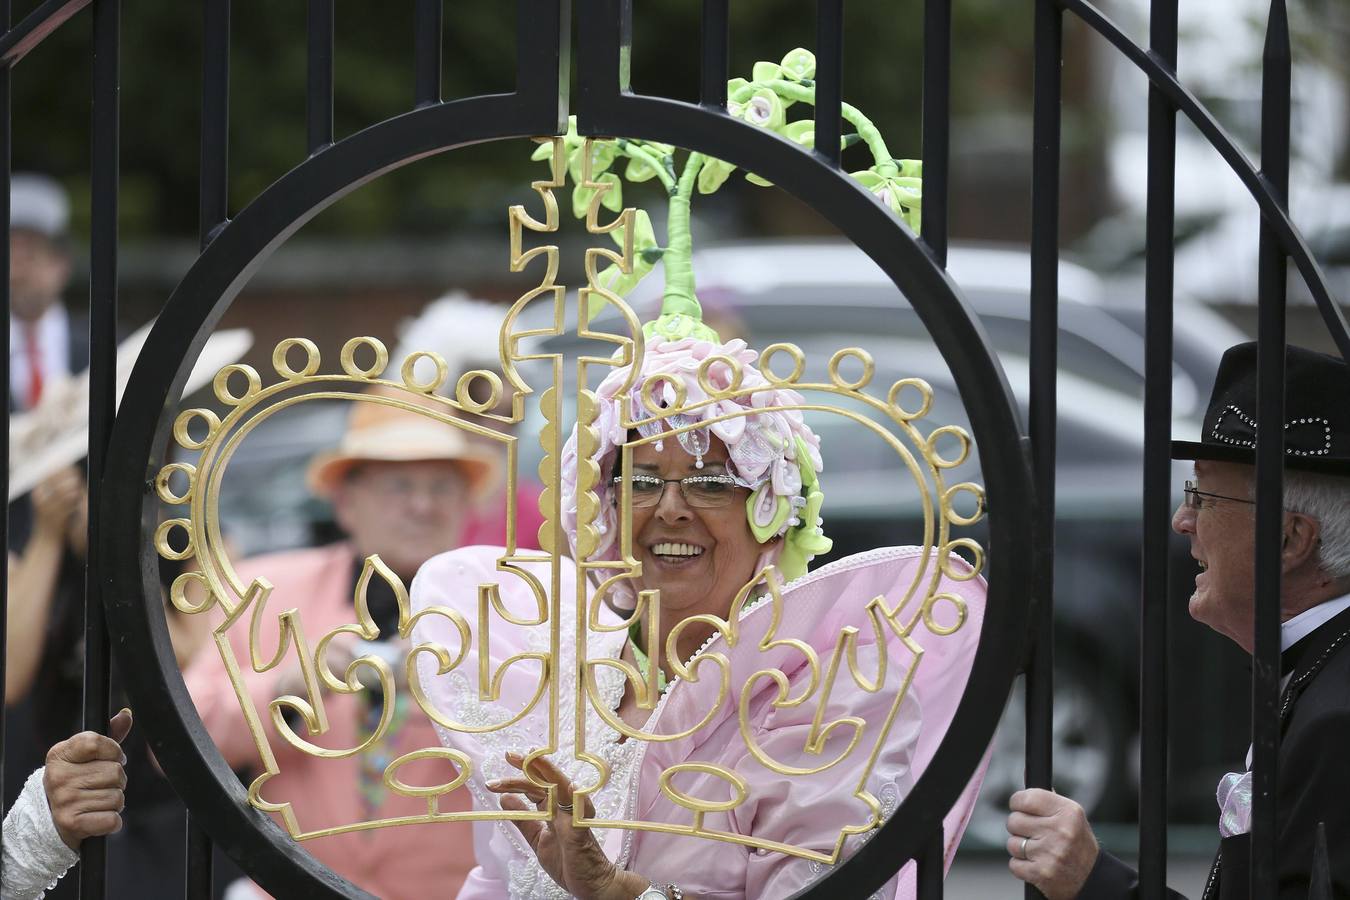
(1183,520)
(421,500)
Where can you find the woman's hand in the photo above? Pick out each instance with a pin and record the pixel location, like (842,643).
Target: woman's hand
(56,503)
(569,853)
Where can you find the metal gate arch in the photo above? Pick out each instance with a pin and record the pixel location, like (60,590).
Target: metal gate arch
(211,791)
(123,562)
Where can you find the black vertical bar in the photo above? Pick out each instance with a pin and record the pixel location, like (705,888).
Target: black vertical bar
(214,175)
(544,59)
(319,95)
(930,868)
(1275,97)
(1158,296)
(604,63)
(715,58)
(213,213)
(1046,89)
(427,24)
(829,77)
(104,168)
(937,92)
(4,384)
(198,881)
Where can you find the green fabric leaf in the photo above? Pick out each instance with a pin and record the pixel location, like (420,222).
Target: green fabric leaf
(799,64)
(868,178)
(755,179)
(645,256)
(803,132)
(766,71)
(542,152)
(644,236)
(902,194)
(613,279)
(638,171)
(713,175)
(613,198)
(581,200)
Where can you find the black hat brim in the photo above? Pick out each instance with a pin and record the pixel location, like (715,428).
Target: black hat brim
(1227,453)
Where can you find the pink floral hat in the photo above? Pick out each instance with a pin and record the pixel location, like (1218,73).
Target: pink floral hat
(772,451)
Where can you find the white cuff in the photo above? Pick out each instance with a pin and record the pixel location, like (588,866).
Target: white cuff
(35,856)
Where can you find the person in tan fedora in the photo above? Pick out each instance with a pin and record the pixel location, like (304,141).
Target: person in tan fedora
(401,485)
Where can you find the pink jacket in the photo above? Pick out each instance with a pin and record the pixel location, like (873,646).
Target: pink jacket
(395,863)
(806,812)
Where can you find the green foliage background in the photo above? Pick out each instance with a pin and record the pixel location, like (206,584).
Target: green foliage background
(162,85)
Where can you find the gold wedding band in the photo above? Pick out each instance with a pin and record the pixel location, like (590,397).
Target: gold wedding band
(1024,848)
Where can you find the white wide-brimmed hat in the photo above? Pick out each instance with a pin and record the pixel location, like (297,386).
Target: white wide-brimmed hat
(55,433)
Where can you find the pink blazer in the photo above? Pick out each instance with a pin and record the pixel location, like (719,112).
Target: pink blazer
(396,863)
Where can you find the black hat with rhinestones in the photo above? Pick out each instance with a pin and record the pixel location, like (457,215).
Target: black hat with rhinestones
(1316,409)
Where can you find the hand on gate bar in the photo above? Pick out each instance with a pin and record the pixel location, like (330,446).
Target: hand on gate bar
(1051,843)
(84,782)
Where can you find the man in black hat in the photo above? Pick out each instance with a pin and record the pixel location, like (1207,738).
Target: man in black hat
(1051,840)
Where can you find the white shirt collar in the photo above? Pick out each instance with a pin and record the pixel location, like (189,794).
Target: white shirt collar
(53,334)
(1308,621)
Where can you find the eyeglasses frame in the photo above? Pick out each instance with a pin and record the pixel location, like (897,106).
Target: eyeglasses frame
(1193,495)
(721,477)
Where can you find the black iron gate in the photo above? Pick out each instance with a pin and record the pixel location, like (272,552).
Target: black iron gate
(1019,469)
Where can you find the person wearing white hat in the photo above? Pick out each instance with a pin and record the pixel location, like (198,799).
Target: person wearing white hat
(400,485)
(42,344)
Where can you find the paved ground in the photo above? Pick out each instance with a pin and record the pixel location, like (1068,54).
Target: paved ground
(986,877)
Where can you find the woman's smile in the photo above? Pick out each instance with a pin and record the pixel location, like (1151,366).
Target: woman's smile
(678,555)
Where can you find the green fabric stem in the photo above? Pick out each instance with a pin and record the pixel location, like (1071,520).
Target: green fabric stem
(681,315)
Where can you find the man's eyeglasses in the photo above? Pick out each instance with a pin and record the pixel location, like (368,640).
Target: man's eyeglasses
(701,491)
(1194,497)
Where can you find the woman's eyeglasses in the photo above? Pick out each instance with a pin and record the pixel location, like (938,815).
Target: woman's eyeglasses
(1194,497)
(700,491)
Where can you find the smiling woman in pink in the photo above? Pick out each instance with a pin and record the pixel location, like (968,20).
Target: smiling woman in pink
(711,507)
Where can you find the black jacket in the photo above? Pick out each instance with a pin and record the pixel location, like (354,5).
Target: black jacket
(1313,784)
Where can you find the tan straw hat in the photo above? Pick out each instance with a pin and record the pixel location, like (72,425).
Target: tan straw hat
(378,432)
